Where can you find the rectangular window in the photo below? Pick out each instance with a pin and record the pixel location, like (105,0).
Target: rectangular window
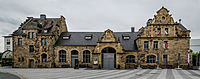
(45,41)
(19,41)
(165,44)
(8,43)
(159,31)
(31,48)
(155,44)
(166,31)
(42,41)
(33,34)
(29,34)
(146,44)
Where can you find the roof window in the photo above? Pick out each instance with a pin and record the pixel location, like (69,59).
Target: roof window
(126,37)
(88,37)
(66,37)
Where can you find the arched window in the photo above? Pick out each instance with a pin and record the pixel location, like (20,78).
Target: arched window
(130,59)
(86,56)
(62,56)
(44,58)
(151,59)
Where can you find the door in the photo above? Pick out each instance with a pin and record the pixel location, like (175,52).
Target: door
(108,60)
(74,60)
(31,63)
(165,60)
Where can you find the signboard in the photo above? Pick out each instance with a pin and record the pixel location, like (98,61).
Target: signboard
(95,62)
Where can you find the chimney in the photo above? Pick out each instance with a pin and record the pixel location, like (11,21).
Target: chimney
(42,17)
(132,29)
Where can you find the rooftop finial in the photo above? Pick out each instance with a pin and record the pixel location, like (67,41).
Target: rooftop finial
(179,21)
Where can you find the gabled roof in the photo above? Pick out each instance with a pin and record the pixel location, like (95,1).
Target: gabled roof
(78,39)
(38,24)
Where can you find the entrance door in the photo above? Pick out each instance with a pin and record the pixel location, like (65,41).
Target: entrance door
(74,60)
(108,60)
(74,57)
(165,60)
(31,63)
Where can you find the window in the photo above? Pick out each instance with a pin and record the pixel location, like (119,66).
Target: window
(33,34)
(155,44)
(19,59)
(8,41)
(19,41)
(8,47)
(22,59)
(126,37)
(130,59)
(159,31)
(29,34)
(88,37)
(66,37)
(166,31)
(31,48)
(146,45)
(44,58)
(165,44)
(163,18)
(44,41)
(151,59)
(86,56)
(62,56)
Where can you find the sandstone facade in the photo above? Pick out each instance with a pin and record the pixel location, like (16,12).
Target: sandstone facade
(161,43)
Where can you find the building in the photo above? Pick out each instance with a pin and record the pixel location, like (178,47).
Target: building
(45,42)
(7,55)
(8,43)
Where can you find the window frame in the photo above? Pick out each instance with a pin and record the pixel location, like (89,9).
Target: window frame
(20,41)
(155,44)
(146,44)
(151,59)
(130,59)
(31,48)
(86,56)
(62,56)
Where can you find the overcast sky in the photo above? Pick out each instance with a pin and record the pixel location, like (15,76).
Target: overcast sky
(98,15)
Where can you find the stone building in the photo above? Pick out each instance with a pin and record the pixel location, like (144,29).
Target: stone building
(45,42)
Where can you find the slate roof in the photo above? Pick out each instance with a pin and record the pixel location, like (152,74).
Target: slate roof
(182,27)
(78,38)
(38,24)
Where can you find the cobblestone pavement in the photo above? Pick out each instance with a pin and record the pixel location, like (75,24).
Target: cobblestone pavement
(70,73)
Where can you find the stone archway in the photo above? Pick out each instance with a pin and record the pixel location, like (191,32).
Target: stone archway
(108,58)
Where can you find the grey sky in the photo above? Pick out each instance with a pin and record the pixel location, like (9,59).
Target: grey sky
(98,15)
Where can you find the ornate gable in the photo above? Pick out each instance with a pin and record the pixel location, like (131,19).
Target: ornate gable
(163,17)
(108,36)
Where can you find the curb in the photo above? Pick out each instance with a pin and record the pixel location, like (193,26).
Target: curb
(13,73)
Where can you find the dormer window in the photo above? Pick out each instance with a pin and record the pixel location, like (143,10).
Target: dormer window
(66,37)
(45,31)
(126,37)
(88,37)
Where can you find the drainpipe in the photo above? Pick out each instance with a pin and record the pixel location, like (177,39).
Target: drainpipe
(139,61)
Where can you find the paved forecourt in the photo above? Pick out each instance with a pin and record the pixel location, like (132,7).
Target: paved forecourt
(70,73)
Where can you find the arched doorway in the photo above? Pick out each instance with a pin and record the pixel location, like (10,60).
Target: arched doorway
(74,57)
(108,58)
